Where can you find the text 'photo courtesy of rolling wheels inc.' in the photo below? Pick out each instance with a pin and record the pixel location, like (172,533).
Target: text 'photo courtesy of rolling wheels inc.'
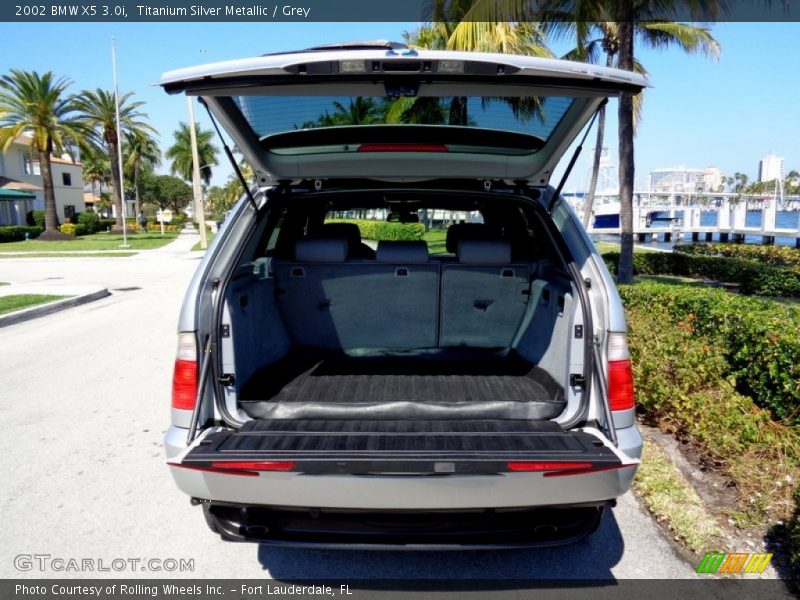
(386,300)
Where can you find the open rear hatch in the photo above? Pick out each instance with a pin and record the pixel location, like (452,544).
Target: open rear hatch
(388,111)
(402,447)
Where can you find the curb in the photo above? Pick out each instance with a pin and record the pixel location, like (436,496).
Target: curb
(42,310)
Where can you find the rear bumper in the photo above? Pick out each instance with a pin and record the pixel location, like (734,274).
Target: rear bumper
(403,530)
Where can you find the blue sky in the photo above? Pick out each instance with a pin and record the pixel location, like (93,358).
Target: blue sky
(699,113)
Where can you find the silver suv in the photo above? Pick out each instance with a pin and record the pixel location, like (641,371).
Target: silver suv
(471,390)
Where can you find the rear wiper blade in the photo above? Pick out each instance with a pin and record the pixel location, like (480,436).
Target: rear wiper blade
(229,154)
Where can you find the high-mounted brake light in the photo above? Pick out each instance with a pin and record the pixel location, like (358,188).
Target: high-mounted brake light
(620,374)
(184,376)
(402,148)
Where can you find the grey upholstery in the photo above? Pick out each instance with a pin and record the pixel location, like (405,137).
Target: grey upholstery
(402,252)
(321,250)
(468,231)
(347,231)
(358,304)
(483,299)
(484,252)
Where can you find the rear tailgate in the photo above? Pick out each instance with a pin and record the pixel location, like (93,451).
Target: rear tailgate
(436,113)
(402,447)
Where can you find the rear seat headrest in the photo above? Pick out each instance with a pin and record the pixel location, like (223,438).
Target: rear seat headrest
(402,252)
(468,231)
(321,250)
(484,252)
(348,231)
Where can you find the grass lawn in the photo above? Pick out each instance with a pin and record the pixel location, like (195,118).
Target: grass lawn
(66,255)
(435,238)
(96,241)
(209,238)
(612,247)
(673,501)
(20,301)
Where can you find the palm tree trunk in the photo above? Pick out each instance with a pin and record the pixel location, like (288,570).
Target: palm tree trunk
(116,184)
(598,153)
(50,217)
(136,202)
(626,175)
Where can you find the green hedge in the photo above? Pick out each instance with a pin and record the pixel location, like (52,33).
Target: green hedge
(35,218)
(89,220)
(759,339)
(754,277)
(772,255)
(703,361)
(16,233)
(385,231)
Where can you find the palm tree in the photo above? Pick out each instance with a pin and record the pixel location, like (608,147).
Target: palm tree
(629,17)
(180,153)
(99,108)
(96,170)
(658,34)
(39,105)
(602,33)
(451,29)
(143,152)
(359,111)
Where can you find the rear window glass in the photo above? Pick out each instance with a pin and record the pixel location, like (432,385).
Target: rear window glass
(535,116)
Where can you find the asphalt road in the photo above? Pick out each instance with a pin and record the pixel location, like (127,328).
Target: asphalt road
(85,403)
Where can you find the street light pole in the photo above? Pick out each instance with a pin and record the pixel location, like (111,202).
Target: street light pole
(198,197)
(119,146)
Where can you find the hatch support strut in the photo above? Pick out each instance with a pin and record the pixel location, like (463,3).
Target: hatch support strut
(229,154)
(575,156)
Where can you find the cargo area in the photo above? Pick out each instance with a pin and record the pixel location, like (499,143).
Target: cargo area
(332,343)
(444,384)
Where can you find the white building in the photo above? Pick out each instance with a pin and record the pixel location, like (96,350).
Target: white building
(710,179)
(770,168)
(683,180)
(20,172)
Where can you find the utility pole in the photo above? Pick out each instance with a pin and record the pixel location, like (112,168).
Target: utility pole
(199,210)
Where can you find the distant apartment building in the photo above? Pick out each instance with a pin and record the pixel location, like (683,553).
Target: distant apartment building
(770,168)
(22,187)
(682,180)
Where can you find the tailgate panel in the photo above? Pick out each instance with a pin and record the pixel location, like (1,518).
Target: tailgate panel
(361,446)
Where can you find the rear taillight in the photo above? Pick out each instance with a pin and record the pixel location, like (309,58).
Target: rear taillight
(559,469)
(247,468)
(184,377)
(620,373)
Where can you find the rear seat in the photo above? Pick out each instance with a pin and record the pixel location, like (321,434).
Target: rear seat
(330,302)
(483,295)
(403,299)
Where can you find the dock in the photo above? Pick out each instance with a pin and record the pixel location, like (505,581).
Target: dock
(729,227)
